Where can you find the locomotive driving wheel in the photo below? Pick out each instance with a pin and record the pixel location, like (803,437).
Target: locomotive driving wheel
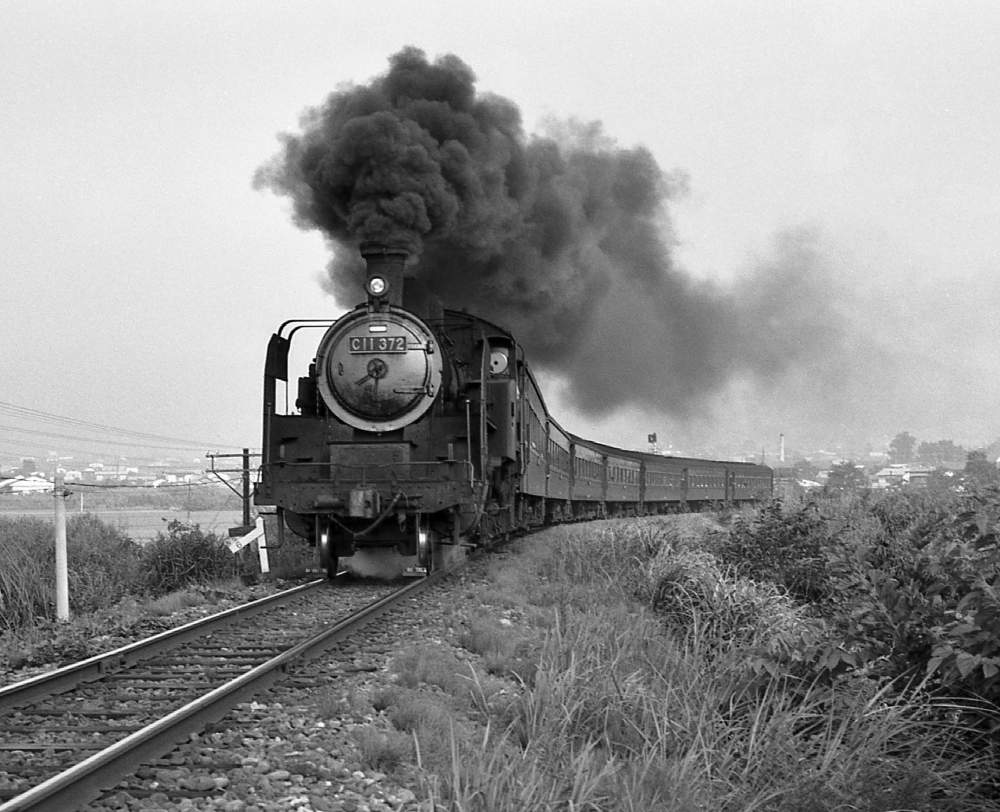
(327,552)
(425,554)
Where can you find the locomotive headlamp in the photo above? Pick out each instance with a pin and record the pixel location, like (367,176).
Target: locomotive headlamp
(377,285)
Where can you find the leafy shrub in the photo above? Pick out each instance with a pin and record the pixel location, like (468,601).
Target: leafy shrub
(784,545)
(908,583)
(186,555)
(918,600)
(899,511)
(960,565)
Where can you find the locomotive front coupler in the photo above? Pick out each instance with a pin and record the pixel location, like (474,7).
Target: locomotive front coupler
(364,503)
(365,499)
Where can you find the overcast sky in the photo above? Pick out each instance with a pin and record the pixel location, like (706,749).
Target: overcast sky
(142,273)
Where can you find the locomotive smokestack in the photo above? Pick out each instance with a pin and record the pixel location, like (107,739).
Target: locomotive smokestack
(386,261)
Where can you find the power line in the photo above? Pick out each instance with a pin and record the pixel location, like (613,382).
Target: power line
(127,444)
(35,414)
(37,447)
(170,486)
(91,486)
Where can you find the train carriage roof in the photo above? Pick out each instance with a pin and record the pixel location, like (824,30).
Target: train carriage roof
(649,457)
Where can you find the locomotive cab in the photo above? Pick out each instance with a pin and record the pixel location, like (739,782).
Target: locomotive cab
(501,395)
(502,424)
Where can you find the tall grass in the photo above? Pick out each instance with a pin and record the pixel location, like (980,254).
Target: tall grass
(103,566)
(106,566)
(622,734)
(645,695)
(26,570)
(105,563)
(115,585)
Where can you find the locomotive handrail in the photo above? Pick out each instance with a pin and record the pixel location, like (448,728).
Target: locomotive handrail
(361,469)
(304,463)
(302,323)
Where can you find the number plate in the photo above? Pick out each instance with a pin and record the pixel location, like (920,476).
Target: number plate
(376,344)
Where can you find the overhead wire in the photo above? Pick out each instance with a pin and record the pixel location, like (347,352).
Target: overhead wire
(92,486)
(127,444)
(70,449)
(70,434)
(36,414)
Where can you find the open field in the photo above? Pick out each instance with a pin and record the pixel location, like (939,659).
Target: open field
(142,524)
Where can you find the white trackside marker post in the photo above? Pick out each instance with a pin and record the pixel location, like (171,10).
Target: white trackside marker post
(258,535)
(62,568)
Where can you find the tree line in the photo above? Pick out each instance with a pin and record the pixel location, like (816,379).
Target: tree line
(940,454)
(952,465)
(979,471)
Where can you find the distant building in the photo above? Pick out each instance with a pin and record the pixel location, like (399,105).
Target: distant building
(787,483)
(26,484)
(901,475)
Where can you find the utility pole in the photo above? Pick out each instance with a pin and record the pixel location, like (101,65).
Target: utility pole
(62,568)
(244,471)
(246,487)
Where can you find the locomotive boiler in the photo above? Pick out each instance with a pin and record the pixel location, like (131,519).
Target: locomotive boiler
(419,433)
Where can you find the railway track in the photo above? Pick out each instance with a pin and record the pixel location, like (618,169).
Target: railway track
(67,735)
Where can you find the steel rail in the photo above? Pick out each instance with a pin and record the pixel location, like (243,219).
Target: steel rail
(100,665)
(85,781)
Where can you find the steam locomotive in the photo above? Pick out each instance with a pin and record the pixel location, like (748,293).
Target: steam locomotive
(420,432)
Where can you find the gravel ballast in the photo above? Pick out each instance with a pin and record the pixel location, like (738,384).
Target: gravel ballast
(296,747)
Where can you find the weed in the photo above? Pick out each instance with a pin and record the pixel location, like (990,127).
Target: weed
(383,750)
(508,650)
(174,602)
(432,665)
(330,703)
(409,712)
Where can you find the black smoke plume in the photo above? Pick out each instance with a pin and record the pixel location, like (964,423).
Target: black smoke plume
(565,239)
